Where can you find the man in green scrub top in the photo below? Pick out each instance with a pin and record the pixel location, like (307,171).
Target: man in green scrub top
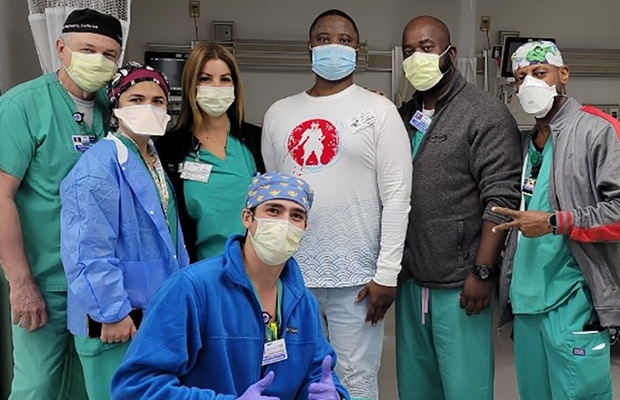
(45,126)
(565,249)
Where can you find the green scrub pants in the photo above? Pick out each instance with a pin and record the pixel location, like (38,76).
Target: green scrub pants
(556,360)
(99,362)
(46,365)
(450,355)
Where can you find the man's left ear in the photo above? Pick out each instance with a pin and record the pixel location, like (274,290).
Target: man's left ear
(452,52)
(246,218)
(564,73)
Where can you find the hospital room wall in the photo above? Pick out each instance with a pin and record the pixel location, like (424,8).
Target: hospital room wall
(574,23)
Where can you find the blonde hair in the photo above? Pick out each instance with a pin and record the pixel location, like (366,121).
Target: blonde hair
(191,116)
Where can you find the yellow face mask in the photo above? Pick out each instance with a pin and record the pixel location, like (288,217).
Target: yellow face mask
(90,72)
(215,101)
(422,69)
(275,240)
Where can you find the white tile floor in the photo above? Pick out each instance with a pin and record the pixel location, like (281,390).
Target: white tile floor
(505,379)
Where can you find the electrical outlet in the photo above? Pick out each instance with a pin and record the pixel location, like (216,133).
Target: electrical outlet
(194,9)
(485,23)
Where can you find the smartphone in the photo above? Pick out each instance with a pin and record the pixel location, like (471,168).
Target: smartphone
(94,327)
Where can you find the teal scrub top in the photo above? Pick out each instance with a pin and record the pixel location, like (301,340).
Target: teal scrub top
(416,142)
(545,273)
(272,329)
(172,214)
(40,142)
(215,206)
(418,136)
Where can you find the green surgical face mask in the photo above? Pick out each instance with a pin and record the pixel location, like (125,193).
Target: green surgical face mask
(422,69)
(90,72)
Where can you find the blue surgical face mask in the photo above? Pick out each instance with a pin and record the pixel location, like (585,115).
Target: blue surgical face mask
(333,61)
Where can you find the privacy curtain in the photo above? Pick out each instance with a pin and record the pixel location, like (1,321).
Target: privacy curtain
(466,40)
(46,19)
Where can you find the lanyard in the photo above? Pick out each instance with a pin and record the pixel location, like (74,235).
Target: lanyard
(84,128)
(272,328)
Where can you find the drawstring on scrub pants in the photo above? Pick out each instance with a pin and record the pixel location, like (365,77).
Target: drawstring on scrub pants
(425,296)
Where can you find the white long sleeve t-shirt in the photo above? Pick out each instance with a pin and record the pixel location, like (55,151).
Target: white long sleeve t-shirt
(353,149)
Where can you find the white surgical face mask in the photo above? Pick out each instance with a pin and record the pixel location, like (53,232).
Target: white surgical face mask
(144,119)
(275,240)
(536,96)
(215,100)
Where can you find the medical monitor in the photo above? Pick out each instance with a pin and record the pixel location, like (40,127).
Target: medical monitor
(171,64)
(511,44)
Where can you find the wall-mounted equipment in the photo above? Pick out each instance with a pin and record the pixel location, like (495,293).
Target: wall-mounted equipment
(594,63)
(611,109)
(170,63)
(223,31)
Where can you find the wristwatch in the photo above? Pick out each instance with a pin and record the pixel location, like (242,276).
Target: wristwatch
(485,272)
(553,222)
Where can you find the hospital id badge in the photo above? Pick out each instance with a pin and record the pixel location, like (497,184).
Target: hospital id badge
(194,171)
(82,143)
(528,186)
(274,352)
(420,121)
(364,119)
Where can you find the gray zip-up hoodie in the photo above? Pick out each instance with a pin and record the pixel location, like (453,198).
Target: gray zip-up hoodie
(584,189)
(469,161)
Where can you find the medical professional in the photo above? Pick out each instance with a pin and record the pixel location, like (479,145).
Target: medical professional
(120,234)
(240,325)
(211,154)
(351,146)
(45,126)
(564,250)
(466,155)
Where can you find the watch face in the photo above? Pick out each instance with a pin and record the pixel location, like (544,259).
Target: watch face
(484,273)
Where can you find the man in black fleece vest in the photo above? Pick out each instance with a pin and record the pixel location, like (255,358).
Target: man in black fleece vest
(466,159)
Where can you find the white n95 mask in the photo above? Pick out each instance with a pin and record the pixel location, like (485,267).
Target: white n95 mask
(275,240)
(215,100)
(144,119)
(422,69)
(536,96)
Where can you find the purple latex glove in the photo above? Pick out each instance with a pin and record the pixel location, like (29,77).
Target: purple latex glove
(255,391)
(325,388)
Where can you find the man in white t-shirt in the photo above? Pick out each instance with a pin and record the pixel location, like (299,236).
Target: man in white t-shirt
(352,147)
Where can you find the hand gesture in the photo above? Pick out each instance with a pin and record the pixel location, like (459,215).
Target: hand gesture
(532,224)
(325,388)
(255,391)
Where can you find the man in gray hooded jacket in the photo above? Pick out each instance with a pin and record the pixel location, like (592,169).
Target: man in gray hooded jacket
(561,275)
(466,159)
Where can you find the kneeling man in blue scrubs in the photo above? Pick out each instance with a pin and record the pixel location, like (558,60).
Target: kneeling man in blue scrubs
(241,325)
